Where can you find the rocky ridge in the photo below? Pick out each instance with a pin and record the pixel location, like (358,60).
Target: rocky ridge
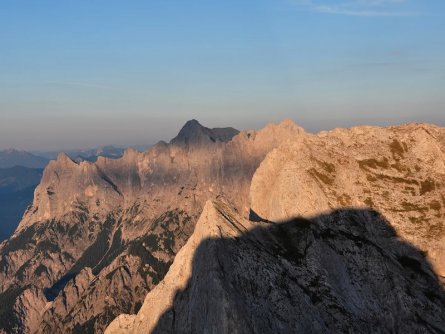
(100,236)
(398,171)
(125,219)
(215,222)
(339,272)
(371,240)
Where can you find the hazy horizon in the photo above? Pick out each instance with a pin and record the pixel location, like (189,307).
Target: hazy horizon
(86,74)
(308,126)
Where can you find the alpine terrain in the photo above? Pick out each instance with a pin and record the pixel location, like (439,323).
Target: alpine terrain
(269,231)
(346,235)
(99,236)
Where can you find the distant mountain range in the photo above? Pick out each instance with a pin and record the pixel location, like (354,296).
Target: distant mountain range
(91,154)
(17,186)
(11,158)
(18,178)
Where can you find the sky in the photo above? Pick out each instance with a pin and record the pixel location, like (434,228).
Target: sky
(78,73)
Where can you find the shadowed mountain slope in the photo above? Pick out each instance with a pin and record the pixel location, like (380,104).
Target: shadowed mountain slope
(338,272)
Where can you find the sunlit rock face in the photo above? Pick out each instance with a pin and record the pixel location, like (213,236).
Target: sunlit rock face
(100,235)
(398,171)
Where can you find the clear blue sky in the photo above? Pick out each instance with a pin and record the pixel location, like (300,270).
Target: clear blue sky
(86,73)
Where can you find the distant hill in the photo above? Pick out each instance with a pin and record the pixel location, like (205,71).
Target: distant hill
(12,207)
(17,186)
(18,178)
(10,158)
(92,154)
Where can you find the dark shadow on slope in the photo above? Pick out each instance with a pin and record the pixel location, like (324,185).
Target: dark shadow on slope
(254,217)
(126,284)
(52,292)
(90,258)
(341,272)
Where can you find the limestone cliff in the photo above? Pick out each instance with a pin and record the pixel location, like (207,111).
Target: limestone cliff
(398,171)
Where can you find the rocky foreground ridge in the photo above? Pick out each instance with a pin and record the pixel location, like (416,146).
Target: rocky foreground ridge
(344,271)
(398,171)
(100,237)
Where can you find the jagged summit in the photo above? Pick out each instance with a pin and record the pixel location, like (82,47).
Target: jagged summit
(130,152)
(64,159)
(194,133)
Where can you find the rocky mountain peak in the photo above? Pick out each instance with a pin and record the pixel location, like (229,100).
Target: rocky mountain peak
(64,159)
(196,134)
(130,153)
(193,123)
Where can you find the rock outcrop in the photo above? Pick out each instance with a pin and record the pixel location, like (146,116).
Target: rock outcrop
(344,271)
(20,309)
(398,171)
(125,219)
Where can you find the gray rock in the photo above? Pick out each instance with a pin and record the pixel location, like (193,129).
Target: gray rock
(344,271)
